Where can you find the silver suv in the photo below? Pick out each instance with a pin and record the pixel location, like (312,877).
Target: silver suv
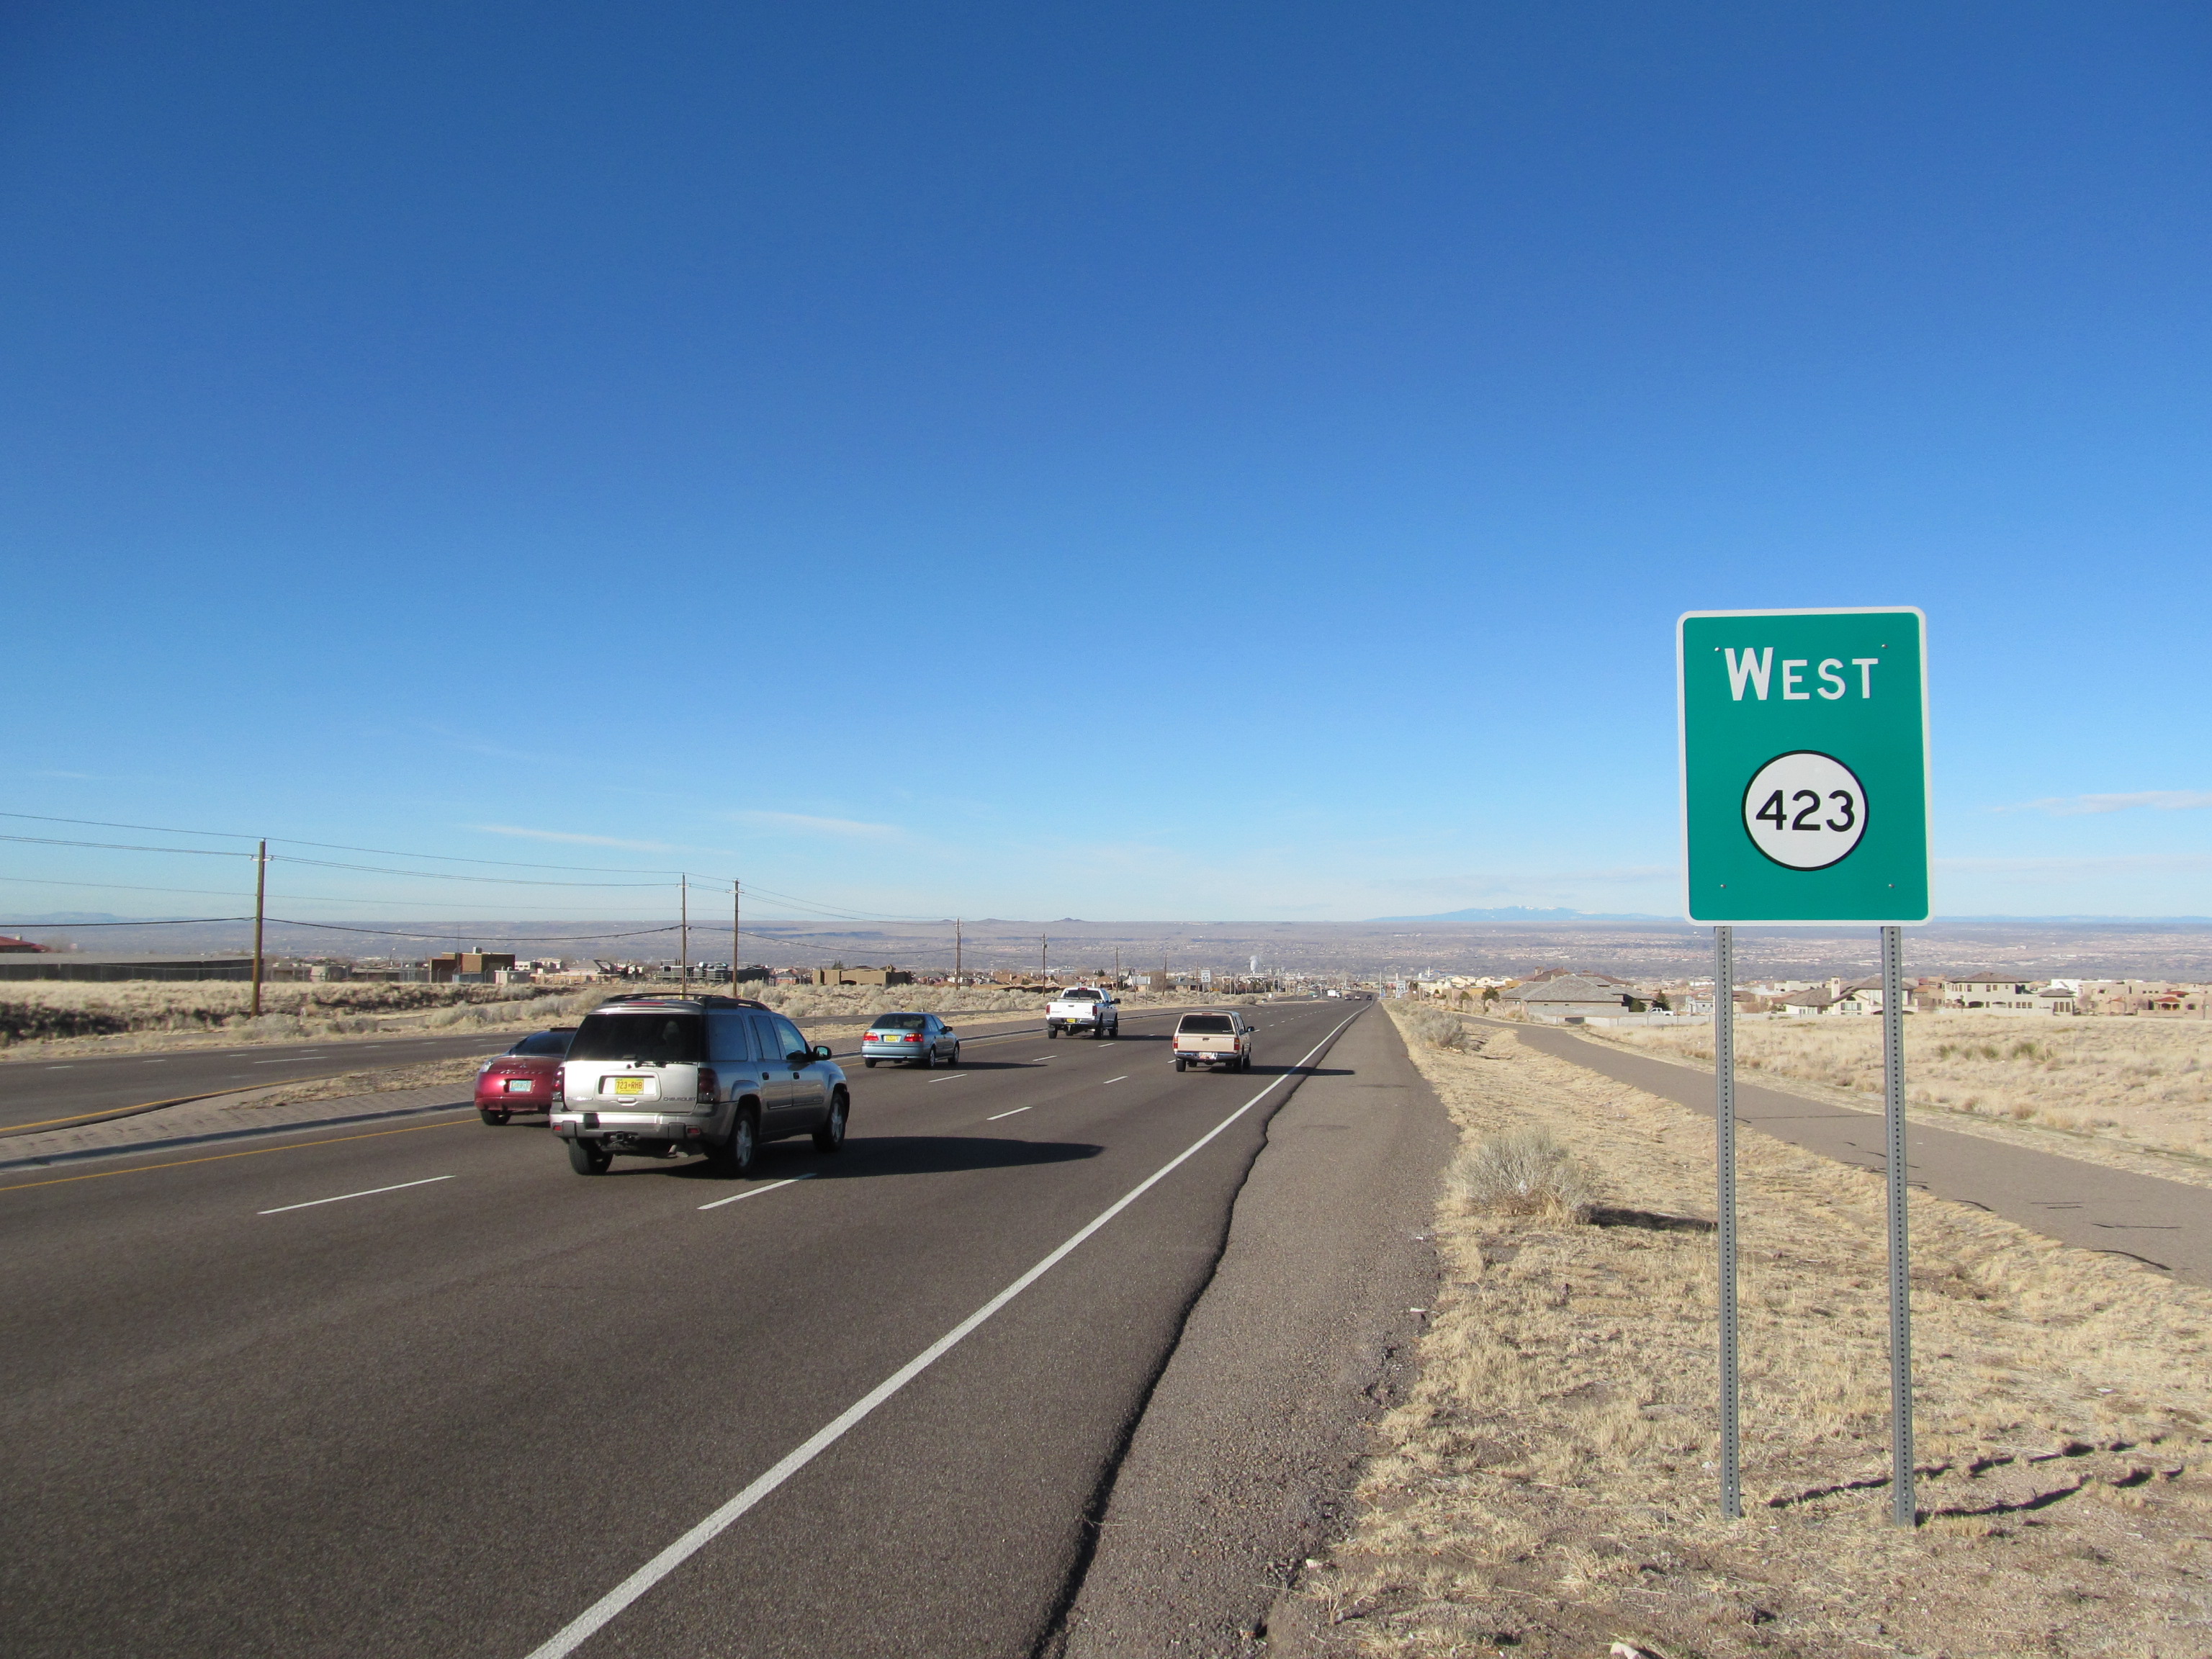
(659,1077)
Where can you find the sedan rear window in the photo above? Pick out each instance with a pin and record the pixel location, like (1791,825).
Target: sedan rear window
(652,1039)
(555,1043)
(901,1022)
(1206,1024)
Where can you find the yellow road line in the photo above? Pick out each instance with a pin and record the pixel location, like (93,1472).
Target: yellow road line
(217,1158)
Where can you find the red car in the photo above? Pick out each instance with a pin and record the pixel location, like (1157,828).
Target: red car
(522,1078)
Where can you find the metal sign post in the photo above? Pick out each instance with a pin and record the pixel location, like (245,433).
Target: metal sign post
(1904,1506)
(1804,757)
(1724,1117)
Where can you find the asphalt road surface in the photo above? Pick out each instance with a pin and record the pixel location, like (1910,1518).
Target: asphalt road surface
(2166,1223)
(44,1094)
(41,1092)
(422,1390)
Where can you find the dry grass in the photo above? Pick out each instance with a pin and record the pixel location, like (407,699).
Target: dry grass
(40,1019)
(1547,1489)
(2145,1081)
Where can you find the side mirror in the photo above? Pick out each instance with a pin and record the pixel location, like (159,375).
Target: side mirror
(820,1051)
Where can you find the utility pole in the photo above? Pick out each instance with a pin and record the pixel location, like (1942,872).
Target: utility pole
(260,906)
(735,900)
(684,940)
(1043,945)
(956,950)
(1118,965)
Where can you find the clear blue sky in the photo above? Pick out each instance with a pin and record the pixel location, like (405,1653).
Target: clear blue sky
(877,450)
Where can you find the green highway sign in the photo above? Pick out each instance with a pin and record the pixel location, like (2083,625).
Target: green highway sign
(1804,754)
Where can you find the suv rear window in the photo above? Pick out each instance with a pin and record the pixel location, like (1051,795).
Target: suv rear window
(901,1023)
(654,1039)
(1206,1024)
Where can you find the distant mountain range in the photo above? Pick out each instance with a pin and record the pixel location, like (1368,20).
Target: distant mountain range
(1526,913)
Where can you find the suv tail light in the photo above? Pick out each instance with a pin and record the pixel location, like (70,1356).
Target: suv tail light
(709,1084)
(560,1092)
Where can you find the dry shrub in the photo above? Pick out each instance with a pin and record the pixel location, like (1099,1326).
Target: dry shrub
(1523,1172)
(1432,1025)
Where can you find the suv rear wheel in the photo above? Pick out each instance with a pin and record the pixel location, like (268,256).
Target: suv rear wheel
(588,1159)
(737,1155)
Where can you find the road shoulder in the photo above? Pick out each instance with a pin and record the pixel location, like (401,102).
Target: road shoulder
(1244,1458)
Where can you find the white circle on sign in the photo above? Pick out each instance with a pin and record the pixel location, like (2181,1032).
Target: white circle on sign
(1805,809)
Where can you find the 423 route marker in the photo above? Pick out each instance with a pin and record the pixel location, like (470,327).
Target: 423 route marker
(1804,758)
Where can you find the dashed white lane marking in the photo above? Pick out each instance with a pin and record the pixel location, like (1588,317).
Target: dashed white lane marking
(371,1192)
(739,1198)
(1124,1077)
(995,1116)
(954,1077)
(595,1618)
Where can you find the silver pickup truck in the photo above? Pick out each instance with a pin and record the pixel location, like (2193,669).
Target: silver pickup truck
(1220,1041)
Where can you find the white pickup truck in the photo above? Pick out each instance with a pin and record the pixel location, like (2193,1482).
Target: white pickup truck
(1083,1008)
(1216,1041)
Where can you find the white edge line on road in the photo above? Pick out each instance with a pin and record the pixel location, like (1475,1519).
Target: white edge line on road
(995,1116)
(342,1197)
(739,1198)
(587,1624)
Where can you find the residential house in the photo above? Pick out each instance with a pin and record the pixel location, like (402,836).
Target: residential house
(1860,997)
(1992,993)
(1808,1005)
(1569,997)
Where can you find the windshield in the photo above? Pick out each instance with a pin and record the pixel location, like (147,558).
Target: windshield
(902,1022)
(545,1042)
(1208,1024)
(655,1039)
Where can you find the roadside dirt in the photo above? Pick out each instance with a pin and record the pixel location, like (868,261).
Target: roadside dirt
(1548,1488)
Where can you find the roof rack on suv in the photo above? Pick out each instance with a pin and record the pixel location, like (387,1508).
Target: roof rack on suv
(702,1000)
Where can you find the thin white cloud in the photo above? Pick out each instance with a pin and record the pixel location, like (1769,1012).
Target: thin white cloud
(570,838)
(2160,800)
(801,821)
(2157,864)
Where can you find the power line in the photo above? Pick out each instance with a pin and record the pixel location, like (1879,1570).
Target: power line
(335,846)
(180,921)
(113,847)
(510,939)
(810,906)
(442,875)
(102,823)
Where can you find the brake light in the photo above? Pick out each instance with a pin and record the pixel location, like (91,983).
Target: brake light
(709,1084)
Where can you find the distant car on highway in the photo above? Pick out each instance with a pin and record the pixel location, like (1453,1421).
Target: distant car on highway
(522,1078)
(917,1039)
(662,1076)
(1218,1041)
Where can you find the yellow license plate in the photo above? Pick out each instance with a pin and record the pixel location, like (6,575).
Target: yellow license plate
(629,1085)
